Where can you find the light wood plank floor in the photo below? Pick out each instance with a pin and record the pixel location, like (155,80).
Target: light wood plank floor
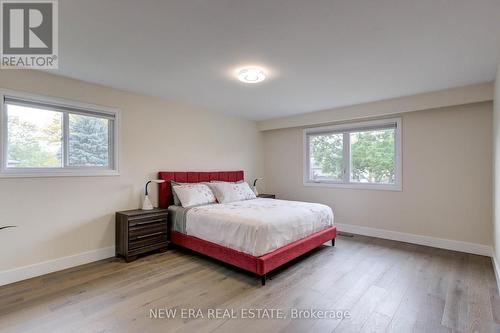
(386,286)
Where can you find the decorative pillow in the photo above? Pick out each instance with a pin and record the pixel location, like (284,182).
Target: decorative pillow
(230,192)
(173,183)
(194,194)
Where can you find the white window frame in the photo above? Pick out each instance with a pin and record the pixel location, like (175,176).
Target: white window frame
(65,171)
(345,128)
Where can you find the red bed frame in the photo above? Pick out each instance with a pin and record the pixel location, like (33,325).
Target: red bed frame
(257,265)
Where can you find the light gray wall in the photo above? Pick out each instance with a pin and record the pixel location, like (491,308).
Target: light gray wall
(447,168)
(64,216)
(496,170)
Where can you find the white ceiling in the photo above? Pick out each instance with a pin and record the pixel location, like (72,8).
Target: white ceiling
(319,54)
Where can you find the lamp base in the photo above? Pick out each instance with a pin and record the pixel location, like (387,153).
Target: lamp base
(146,204)
(255,190)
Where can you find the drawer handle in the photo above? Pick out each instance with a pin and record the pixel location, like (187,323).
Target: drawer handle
(156,233)
(147,222)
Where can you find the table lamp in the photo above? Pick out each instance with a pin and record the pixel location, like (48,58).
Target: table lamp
(146,205)
(255,185)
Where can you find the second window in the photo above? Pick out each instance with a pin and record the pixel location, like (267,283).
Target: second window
(362,155)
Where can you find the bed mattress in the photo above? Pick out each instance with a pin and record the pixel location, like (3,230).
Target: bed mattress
(255,227)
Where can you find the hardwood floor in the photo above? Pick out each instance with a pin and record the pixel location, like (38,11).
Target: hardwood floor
(385,286)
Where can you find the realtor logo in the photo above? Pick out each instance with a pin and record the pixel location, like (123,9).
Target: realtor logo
(29,34)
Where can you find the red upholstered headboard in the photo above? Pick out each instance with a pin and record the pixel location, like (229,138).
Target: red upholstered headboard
(165,190)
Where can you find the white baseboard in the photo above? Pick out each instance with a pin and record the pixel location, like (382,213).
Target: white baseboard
(49,266)
(496,268)
(26,272)
(448,244)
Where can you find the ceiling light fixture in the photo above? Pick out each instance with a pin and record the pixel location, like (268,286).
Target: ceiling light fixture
(251,75)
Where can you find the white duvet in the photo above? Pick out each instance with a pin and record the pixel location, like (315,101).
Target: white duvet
(257,226)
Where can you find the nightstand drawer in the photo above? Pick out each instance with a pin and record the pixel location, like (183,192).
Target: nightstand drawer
(139,231)
(141,241)
(146,219)
(148,248)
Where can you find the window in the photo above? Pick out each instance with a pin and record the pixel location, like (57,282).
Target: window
(47,137)
(361,155)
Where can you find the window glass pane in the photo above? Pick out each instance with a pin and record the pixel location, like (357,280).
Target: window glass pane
(326,157)
(373,156)
(88,141)
(34,137)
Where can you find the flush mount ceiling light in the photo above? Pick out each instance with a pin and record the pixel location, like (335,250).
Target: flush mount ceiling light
(251,75)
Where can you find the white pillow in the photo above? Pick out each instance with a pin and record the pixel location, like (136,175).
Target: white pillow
(230,192)
(194,194)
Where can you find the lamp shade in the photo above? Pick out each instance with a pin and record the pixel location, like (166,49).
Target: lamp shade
(256,180)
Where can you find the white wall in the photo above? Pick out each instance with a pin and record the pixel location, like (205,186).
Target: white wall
(446,177)
(59,217)
(496,175)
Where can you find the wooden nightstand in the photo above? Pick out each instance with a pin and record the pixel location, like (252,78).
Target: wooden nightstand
(269,196)
(140,231)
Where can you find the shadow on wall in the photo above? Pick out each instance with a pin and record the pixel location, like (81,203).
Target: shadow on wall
(8,226)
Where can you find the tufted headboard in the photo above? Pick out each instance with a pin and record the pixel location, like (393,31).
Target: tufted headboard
(165,190)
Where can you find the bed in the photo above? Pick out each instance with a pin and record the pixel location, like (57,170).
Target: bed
(259,235)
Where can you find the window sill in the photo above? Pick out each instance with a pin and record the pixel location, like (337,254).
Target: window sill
(354,186)
(61,173)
